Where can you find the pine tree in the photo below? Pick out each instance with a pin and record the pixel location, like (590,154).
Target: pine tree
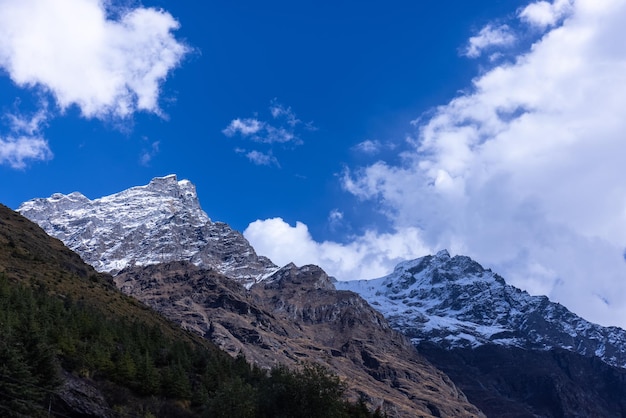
(19,394)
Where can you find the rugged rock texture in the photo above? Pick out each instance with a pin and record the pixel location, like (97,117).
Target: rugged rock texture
(454,302)
(200,273)
(295,316)
(144,225)
(80,398)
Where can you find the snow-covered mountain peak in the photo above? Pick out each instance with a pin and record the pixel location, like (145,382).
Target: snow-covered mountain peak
(158,222)
(438,271)
(170,186)
(455,302)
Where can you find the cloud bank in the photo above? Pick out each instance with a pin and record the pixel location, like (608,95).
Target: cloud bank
(523,172)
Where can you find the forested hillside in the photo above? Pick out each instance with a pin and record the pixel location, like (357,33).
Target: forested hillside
(73,345)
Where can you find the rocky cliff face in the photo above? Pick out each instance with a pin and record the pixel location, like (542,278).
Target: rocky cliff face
(296,316)
(145,225)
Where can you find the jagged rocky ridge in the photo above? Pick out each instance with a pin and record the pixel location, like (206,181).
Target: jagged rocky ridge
(454,302)
(144,225)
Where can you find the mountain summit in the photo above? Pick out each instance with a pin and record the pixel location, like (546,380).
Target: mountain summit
(454,302)
(145,225)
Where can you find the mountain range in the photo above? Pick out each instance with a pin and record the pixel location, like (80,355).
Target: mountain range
(512,354)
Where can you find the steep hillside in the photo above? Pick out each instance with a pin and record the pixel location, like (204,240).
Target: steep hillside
(74,346)
(295,316)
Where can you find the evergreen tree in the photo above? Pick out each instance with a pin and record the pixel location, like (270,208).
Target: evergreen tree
(19,394)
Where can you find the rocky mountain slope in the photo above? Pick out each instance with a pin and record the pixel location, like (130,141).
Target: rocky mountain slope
(144,225)
(296,316)
(454,302)
(514,355)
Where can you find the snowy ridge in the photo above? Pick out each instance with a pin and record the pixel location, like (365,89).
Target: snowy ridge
(144,225)
(455,302)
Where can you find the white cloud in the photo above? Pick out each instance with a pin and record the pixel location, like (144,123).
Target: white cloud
(148,154)
(265,132)
(524,172)
(544,14)
(30,126)
(283,130)
(335,216)
(279,135)
(244,127)
(15,151)
(73,51)
(24,142)
(280,111)
(368,146)
(489,36)
(368,256)
(260,158)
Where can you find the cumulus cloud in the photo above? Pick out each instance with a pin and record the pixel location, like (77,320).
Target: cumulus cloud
(543,14)
(73,51)
(367,256)
(24,141)
(522,172)
(489,36)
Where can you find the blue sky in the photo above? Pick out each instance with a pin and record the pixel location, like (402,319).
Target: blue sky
(347,134)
